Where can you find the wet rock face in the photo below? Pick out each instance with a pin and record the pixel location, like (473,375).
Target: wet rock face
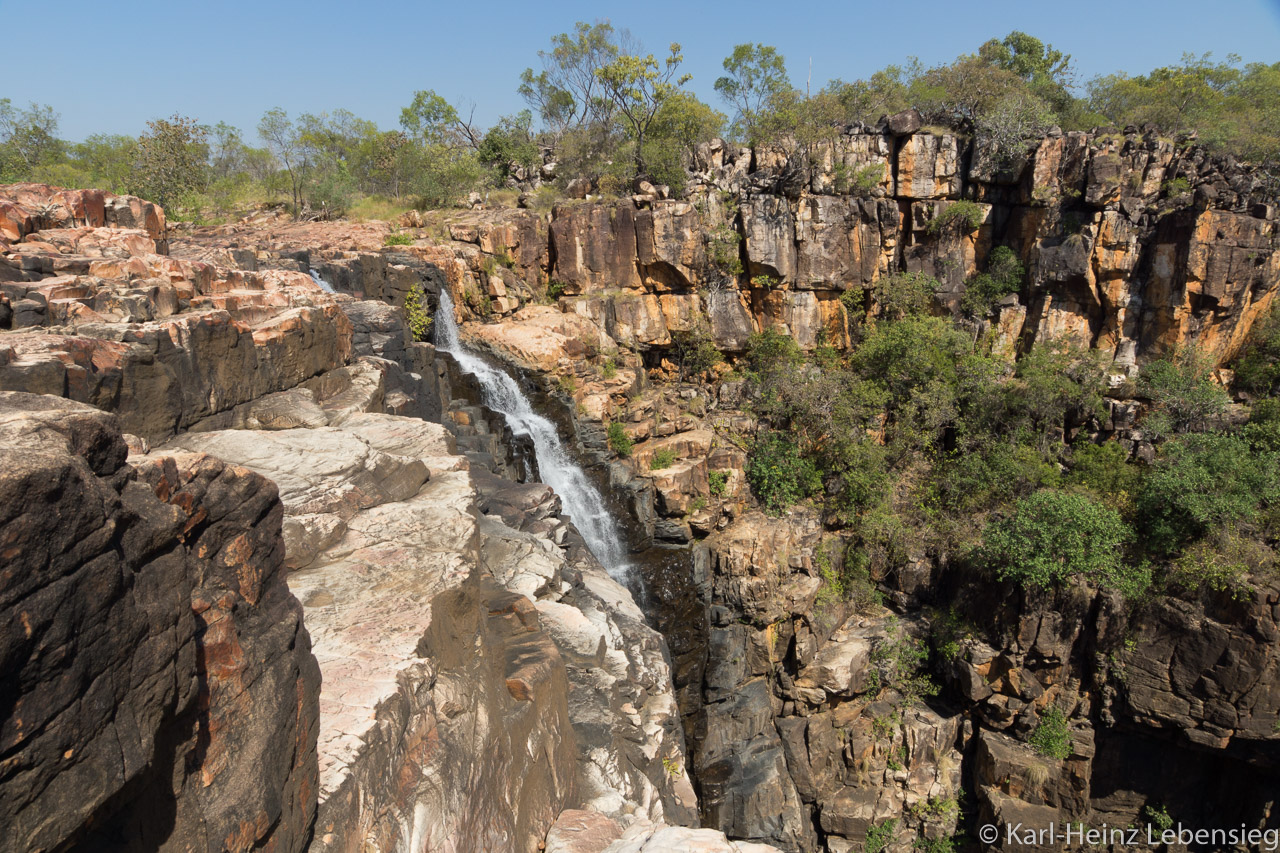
(159,676)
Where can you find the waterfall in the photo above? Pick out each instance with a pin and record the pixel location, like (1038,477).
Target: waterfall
(581,501)
(324,285)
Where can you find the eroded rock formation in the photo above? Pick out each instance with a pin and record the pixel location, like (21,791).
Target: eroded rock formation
(302,614)
(160,688)
(467,670)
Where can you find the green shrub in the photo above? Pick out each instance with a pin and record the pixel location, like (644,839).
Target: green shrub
(860,474)
(1201,482)
(398,239)
(773,361)
(695,351)
(416,315)
(1221,562)
(1175,187)
(832,589)
(778,474)
(1051,737)
(859,183)
(1073,223)
(717,482)
(992,474)
(1003,276)
(1158,817)
(722,250)
(619,442)
(945,844)
(609,369)
(965,215)
(1051,536)
(771,355)
(880,836)
(662,459)
(1263,430)
(905,294)
(850,583)
(900,661)
(1105,470)
(1257,370)
(1183,395)
(555,289)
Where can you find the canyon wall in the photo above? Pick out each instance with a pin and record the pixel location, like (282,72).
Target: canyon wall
(292,594)
(267,586)
(1130,243)
(1131,246)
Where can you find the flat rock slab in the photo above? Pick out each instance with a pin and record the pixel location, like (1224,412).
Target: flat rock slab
(659,838)
(367,605)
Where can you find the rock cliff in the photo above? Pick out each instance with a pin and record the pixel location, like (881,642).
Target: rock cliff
(255,601)
(1131,244)
(275,572)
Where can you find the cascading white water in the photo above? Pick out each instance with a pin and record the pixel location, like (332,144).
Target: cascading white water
(581,501)
(324,285)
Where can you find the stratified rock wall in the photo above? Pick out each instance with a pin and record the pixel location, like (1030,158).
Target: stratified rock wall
(1130,244)
(481,671)
(160,690)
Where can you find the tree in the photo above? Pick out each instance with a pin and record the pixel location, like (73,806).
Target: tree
(1258,366)
(107,160)
(1052,535)
(963,91)
(284,142)
(756,85)
(1010,124)
(639,87)
(682,123)
(226,150)
(885,92)
(1003,276)
(444,164)
(171,159)
(1202,482)
(28,139)
(509,145)
(1184,397)
(779,474)
(1055,378)
(1029,58)
(568,91)
(1172,98)
(434,121)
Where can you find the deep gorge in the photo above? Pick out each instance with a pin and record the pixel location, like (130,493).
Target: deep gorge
(351,618)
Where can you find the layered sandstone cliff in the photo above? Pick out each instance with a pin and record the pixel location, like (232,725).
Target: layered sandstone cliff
(481,676)
(297,615)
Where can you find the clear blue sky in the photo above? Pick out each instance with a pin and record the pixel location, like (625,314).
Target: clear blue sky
(110,66)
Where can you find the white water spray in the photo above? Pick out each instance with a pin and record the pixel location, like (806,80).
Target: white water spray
(581,501)
(324,285)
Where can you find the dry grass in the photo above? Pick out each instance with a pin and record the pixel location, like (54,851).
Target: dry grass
(378,208)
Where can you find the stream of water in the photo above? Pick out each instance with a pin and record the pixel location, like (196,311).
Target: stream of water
(580,499)
(324,285)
